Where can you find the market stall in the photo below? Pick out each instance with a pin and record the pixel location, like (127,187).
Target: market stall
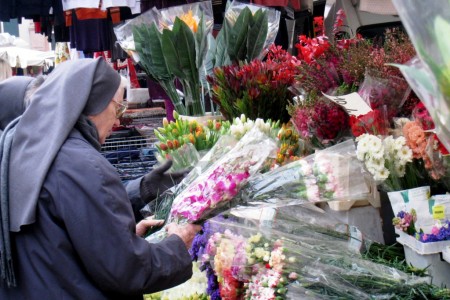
(319,173)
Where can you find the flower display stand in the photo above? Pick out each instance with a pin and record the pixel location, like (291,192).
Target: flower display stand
(427,255)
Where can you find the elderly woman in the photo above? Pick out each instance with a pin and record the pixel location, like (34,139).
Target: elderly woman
(73,234)
(15,97)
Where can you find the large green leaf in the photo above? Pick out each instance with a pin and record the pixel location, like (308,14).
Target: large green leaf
(222,57)
(151,54)
(186,52)
(201,42)
(208,64)
(257,35)
(237,40)
(169,48)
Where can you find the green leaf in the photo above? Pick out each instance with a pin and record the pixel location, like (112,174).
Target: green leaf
(420,76)
(201,42)
(151,54)
(237,42)
(257,35)
(208,64)
(222,57)
(169,41)
(185,45)
(441,31)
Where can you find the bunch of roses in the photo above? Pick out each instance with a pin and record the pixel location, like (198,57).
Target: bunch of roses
(374,122)
(322,124)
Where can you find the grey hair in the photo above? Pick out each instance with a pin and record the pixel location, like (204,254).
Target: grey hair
(123,85)
(31,89)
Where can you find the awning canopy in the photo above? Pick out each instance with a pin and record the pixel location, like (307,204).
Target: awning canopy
(22,57)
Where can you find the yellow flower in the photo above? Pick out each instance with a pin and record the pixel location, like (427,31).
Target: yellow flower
(190,20)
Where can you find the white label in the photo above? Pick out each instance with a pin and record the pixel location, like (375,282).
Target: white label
(356,239)
(353,103)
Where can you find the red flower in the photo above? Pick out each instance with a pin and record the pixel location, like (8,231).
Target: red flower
(372,123)
(421,114)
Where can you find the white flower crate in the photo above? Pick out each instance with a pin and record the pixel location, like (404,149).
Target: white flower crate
(427,255)
(419,247)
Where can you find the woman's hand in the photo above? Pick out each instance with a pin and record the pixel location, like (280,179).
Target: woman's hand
(143,226)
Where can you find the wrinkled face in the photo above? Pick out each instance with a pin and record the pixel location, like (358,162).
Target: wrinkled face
(107,119)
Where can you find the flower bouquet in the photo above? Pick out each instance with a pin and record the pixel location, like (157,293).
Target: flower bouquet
(177,51)
(323,176)
(374,122)
(246,33)
(249,263)
(389,160)
(214,190)
(321,122)
(258,89)
(183,141)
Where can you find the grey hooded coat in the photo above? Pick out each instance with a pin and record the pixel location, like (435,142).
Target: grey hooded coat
(76,239)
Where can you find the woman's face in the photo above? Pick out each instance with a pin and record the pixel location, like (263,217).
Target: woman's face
(107,119)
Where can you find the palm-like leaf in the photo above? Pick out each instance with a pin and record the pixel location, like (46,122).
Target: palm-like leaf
(237,41)
(222,57)
(257,35)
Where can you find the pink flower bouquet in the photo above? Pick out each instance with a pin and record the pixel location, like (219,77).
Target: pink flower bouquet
(323,176)
(215,189)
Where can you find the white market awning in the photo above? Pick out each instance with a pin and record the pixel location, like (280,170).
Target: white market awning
(23,57)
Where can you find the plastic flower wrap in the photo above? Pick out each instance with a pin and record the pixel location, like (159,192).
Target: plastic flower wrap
(177,51)
(182,140)
(374,122)
(124,32)
(327,175)
(246,34)
(309,262)
(321,123)
(387,93)
(214,190)
(435,155)
(193,289)
(429,76)
(248,265)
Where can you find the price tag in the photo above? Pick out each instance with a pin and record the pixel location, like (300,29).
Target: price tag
(438,212)
(356,239)
(353,103)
